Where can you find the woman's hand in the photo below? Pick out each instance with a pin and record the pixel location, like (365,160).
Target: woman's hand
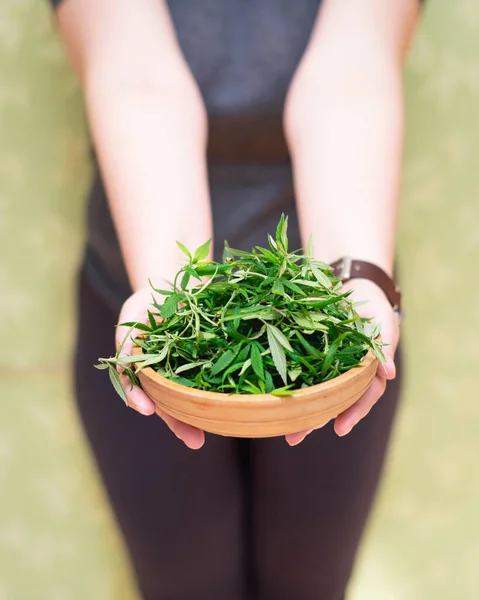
(379,309)
(345,127)
(135,309)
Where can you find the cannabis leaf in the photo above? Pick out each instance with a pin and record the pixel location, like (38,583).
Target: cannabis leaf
(265,321)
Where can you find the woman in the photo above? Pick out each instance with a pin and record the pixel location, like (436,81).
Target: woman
(201,114)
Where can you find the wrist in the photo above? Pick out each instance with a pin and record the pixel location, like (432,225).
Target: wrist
(349,269)
(378,259)
(332,248)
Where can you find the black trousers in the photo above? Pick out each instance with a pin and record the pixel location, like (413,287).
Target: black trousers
(238,519)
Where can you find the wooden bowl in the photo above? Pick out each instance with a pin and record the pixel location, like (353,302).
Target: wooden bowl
(259,415)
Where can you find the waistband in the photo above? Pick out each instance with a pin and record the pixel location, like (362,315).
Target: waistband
(246,139)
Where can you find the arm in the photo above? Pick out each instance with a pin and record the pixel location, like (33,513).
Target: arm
(149,129)
(344,123)
(148,125)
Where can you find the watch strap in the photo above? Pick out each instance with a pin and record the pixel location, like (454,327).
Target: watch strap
(347,268)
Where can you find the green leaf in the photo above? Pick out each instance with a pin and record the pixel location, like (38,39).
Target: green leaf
(184,249)
(324,266)
(141,343)
(243,355)
(301,359)
(228,255)
(257,362)
(282,233)
(308,324)
(182,381)
(307,283)
(159,291)
(282,269)
(319,302)
(231,369)
(236,317)
(295,373)
(115,380)
(303,321)
(258,334)
(152,320)
(131,326)
(372,330)
(209,269)
(102,366)
(154,359)
(321,277)
(234,252)
(268,254)
(278,288)
(185,280)
(251,388)
(136,325)
(170,306)
(280,337)
(283,391)
(264,314)
(317,317)
(269,384)
(203,251)
(310,349)
(292,286)
(224,361)
(272,243)
(277,353)
(189,366)
(246,366)
(192,271)
(136,358)
(331,354)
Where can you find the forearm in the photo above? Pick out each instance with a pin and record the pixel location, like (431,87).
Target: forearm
(151,149)
(347,159)
(149,128)
(344,122)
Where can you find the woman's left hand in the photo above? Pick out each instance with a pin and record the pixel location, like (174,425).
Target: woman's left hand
(379,309)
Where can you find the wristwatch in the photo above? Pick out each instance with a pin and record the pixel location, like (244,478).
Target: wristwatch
(347,268)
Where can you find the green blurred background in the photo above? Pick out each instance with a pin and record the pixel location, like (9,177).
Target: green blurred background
(57,537)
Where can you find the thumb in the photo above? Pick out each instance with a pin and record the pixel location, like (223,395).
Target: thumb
(390,338)
(134,310)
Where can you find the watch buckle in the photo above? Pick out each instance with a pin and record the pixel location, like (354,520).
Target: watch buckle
(345,269)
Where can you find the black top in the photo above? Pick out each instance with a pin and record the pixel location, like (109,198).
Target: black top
(243,54)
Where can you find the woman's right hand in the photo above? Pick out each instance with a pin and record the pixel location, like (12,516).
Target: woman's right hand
(135,309)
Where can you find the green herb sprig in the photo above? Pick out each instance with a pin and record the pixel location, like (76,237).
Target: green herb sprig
(265,321)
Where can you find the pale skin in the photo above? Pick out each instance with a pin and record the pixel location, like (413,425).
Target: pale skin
(344,124)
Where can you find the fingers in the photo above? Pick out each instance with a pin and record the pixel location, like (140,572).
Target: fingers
(388,369)
(134,309)
(193,437)
(390,336)
(351,417)
(137,399)
(380,310)
(296,438)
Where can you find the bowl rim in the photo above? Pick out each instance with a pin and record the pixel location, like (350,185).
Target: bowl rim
(202,396)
